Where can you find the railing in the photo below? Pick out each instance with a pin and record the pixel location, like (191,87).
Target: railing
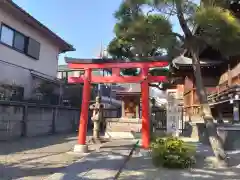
(161,119)
(226,94)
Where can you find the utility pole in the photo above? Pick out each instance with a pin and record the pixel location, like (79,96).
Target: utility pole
(101,56)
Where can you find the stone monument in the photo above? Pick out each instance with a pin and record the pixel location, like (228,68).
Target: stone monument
(173,114)
(97,118)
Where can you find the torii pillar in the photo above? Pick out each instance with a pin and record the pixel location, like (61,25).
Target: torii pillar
(145,110)
(81,146)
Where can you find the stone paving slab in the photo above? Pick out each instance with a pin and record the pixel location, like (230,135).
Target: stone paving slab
(98,165)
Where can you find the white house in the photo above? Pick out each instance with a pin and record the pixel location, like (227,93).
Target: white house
(27,48)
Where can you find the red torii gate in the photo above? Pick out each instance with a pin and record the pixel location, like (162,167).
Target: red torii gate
(144,78)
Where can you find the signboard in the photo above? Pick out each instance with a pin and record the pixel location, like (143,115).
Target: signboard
(173,114)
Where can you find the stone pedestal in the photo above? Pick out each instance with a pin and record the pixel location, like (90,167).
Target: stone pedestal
(229,135)
(123,128)
(96,129)
(80,148)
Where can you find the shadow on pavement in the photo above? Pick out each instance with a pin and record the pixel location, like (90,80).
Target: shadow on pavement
(18,172)
(141,168)
(103,162)
(31,143)
(99,165)
(107,162)
(40,167)
(144,172)
(35,156)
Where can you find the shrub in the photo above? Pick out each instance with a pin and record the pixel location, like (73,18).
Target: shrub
(172,152)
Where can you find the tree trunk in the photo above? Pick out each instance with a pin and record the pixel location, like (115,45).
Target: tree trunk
(215,141)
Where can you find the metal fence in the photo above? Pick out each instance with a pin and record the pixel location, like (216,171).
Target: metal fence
(161,119)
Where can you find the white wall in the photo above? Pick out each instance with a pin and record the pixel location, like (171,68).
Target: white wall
(47,63)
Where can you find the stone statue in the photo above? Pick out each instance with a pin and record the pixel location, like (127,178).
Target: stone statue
(97,117)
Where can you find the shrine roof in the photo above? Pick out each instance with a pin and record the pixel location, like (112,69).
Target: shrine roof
(128,88)
(185,61)
(128,94)
(112,60)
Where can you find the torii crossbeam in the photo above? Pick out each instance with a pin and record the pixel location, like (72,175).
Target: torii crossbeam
(116,65)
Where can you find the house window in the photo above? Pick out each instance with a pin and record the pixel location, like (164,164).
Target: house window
(19,42)
(7,35)
(64,74)
(76,73)
(70,73)
(33,48)
(59,75)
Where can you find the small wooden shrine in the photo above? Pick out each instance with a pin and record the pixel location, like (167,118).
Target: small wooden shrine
(129,95)
(129,122)
(211,64)
(221,79)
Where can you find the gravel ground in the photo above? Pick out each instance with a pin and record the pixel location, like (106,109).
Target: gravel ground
(36,158)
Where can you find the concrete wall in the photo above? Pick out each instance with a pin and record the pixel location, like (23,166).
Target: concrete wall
(46,64)
(17,120)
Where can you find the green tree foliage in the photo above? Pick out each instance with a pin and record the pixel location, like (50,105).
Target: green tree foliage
(148,34)
(139,34)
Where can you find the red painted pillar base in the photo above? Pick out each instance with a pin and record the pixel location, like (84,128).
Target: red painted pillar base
(145,111)
(82,133)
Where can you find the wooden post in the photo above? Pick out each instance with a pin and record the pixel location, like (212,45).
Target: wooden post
(24,121)
(137,111)
(229,75)
(82,147)
(145,110)
(123,108)
(54,114)
(219,115)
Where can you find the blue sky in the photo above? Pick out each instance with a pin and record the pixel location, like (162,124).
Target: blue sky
(82,23)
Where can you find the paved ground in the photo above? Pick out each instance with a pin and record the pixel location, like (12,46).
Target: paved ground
(104,164)
(36,158)
(140,168)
